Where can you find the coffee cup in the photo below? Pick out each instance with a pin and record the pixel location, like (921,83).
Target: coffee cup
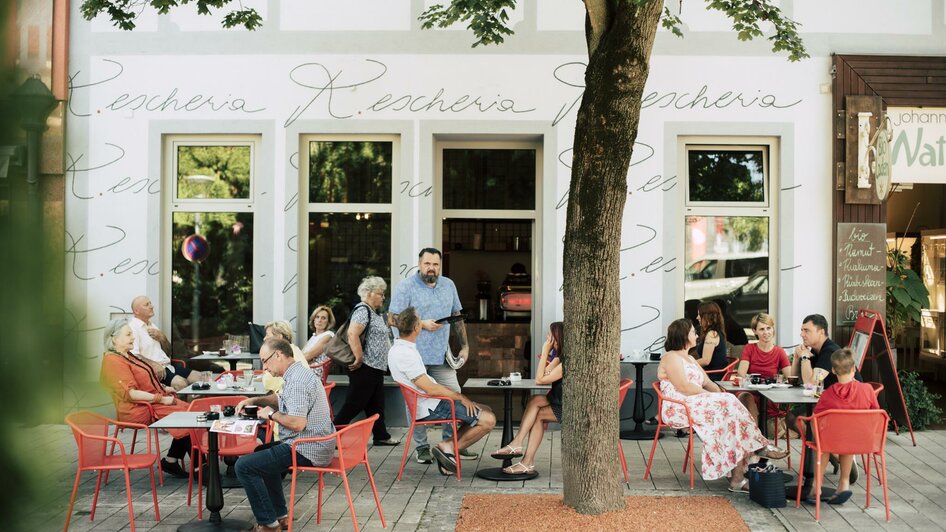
(250,411)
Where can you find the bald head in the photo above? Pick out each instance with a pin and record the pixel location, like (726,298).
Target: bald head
(142,308)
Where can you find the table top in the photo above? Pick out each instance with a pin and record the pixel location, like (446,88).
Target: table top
(524,384)
(237,356)
(730,387)
(639,361)
(183,420)
(788,396)
(236,390)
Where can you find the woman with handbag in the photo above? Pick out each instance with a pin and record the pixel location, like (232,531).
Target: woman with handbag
(541,408)
(730,437)
(369,342)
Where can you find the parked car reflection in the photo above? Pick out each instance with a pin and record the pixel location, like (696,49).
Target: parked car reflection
(749,299)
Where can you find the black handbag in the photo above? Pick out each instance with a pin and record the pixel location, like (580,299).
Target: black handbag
(767,486)
(338,349)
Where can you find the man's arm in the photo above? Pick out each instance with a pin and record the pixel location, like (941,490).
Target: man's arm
(459,328)
(432,388)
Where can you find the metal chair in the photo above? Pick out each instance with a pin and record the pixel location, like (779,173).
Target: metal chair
(410,398)
(622,394)
(352,445)
(91,433)
(661,424)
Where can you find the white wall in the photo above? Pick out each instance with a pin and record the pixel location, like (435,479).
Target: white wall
(292,78)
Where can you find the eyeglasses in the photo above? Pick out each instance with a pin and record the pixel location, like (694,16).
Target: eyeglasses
(265,360)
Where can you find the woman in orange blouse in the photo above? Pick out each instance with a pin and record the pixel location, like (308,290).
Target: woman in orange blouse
(132,382)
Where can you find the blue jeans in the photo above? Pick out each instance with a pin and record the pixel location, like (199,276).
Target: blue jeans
(446,376)
(261,476)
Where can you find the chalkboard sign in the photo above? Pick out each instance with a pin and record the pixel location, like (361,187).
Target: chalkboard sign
(862,270)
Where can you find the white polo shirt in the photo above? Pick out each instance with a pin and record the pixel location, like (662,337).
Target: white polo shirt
(146,346)
(405,365)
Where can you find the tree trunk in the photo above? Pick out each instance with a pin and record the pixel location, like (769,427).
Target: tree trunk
(620,37)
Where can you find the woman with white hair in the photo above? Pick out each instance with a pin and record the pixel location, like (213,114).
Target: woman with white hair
(132,382)
(366,384)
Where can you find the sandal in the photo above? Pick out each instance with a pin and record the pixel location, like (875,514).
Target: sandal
(740,487)
(513,452)
(772,453)
(519,469)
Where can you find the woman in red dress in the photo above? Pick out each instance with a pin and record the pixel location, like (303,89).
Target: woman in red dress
(132,383)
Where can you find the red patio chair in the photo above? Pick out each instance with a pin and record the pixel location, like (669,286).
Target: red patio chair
(325,366)
(328,395)
(726,372)
(134,437)
(352,445)
(229,445)
(840,432)
(622,394)
(410,398)
(91,433)
(661,424)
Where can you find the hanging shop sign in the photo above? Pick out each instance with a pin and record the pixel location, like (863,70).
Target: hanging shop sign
(918,144)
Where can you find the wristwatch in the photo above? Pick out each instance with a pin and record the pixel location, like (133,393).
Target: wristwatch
(271,414)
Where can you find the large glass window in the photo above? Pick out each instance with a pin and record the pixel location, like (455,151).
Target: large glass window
(488,179)
(350,182)
(729,227)
(211,237)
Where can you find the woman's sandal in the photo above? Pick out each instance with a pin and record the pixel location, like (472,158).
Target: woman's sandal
(514,452)
(740,487)
(773,453)
(519,469)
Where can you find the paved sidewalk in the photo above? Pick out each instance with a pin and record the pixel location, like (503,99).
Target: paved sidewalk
(425,500)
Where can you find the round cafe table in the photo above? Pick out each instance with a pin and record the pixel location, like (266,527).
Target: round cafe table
(640,431)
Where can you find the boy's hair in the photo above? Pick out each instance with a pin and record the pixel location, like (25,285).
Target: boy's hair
(842,361)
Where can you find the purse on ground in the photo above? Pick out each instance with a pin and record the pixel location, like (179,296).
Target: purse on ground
(338,349)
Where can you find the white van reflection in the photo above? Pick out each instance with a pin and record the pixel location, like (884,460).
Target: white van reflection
(712,276)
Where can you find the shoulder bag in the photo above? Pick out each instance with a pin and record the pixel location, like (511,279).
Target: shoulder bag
(338,349)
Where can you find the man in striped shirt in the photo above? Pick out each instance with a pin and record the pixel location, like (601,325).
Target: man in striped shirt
(300,411)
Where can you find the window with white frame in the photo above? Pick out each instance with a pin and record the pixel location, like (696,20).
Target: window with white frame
(209,193)
(349,182)
(730,223)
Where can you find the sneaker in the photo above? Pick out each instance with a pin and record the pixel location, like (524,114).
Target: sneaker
(424,456)
(175,469)
(466,454)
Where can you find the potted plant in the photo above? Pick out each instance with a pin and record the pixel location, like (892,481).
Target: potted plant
(906,293)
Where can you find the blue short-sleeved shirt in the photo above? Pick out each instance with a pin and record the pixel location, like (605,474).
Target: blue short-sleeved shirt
(431,304)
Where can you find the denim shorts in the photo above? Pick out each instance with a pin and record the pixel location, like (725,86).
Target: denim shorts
(443,412)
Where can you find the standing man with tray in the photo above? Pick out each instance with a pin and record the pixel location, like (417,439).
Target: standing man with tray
(435,298)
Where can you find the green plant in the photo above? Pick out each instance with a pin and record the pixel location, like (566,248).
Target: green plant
(921,403)
(906,294)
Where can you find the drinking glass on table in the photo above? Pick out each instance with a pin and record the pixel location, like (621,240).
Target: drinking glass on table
(247,377)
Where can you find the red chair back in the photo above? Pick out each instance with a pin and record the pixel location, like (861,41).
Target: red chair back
(410,399)
(324,366)
(725,372)
(202,404)
(352,442)
(91,450)
(851,431)
(625,385)
(878,387)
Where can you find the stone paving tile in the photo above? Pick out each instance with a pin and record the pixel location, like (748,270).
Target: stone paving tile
(426,501)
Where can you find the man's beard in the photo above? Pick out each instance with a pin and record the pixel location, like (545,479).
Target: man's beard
(430,278)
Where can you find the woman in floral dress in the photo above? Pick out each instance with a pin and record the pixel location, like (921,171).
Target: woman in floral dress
(730,437)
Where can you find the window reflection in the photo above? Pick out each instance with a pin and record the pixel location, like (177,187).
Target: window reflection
(344,248)
(213,172)
(727,257)
(350,172)
(488,179)
(726,175)
(212,297)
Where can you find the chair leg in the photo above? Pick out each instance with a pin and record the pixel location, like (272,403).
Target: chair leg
(95,498)
(801,472)
(877,469)
(351,504)
(653,449)
(627,479)
(318,516)
(456,448)
(407,447)
(157,445)
(374,490)
(819,479)
(154,494)
(690,455)
(292,497)
(190,478)
(131,510)
(72,500)
(867,476)
(883,468)
(200,485)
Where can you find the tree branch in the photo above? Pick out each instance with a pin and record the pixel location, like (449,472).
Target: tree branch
(596,20)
